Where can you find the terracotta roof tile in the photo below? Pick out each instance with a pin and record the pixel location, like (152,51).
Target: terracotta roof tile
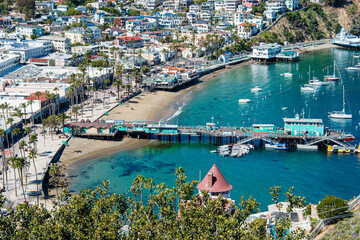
(219,183)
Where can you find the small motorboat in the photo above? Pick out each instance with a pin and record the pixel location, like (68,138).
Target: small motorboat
(349,137)
(307,147)
(307,88)
(281,146)
(287,74)
(356,55)
(213,151)
(316,82)
(256,89)
(352,68)
(284,108)
(244,100)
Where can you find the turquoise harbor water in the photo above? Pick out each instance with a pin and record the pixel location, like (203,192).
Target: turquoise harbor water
(313,174)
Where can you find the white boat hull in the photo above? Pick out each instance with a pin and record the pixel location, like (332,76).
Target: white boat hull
(307,147)
(341,116)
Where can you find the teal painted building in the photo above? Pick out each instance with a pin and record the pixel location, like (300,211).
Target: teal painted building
(304,126)
(263,127)
(162,128)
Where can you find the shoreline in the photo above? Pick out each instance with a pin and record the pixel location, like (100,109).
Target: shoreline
(149,106)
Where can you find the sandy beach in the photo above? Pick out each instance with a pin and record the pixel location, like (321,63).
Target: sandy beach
(149,106)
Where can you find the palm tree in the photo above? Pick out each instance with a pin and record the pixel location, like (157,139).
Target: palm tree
(62,117)
(76,112)
(54,172)
(118,83)
(56,90)
(140,56)
(12,163)
(30,102)
(28,131)
(128,86)
(2,135)
(4,107)
(21,164)
(32,156)
(38,96)
(10,121)
(33,139)
(23,106)
(14,132)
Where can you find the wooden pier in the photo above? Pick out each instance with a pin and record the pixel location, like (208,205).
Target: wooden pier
(218,136)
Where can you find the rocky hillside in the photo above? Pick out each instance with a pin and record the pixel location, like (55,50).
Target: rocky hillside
(315,23)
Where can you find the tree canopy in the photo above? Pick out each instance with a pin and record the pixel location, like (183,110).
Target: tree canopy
(149,211)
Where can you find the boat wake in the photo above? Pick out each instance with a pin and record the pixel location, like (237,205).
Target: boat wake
(177,113)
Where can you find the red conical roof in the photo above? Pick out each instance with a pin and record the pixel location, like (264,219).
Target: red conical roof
(214,181)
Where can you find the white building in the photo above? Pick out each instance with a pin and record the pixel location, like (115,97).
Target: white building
(61,44)
(270,15)
(259,22)
(276,5)
(7,62)
(80,35)
(241,17)
(231,5)
(266,51)
(26,52)
(202,28)
(292,4)
(246,30)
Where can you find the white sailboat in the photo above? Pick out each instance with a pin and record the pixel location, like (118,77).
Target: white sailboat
(341,114)
(332,77)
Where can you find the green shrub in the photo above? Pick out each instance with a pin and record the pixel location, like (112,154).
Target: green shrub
(331,206)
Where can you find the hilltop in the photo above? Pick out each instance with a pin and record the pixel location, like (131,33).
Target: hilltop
(315,22)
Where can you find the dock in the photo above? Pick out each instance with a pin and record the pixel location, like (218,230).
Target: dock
(113,129)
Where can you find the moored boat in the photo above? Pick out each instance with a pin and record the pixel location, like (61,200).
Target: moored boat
(341,114)
(332,77)
(256,89)
(306,147)
(349,137)
(287,74)
(244,100)
(307,88)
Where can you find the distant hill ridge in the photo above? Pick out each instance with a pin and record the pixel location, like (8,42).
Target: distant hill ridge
(314,23)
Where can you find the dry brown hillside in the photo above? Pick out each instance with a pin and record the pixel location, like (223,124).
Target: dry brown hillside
(315,23)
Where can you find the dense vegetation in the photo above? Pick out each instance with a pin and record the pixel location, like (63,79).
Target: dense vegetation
(154,211)
(346,229)
(305,25)
(25,7)
(332,206)
(4,7)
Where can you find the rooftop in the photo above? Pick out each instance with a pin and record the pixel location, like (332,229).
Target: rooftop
(216,184)
(303,120)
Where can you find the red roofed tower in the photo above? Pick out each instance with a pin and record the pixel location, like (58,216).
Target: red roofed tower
(215,183)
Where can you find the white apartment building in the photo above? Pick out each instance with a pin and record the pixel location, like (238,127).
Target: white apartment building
(292,4)
(220,6)
(7,62)
(61,44)
(231,5)
(241,17)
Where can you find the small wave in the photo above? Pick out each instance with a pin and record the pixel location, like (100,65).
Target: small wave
(177,113)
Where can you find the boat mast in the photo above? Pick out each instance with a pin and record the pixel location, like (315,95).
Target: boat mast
(343,99)
(334,67)
(309,73)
